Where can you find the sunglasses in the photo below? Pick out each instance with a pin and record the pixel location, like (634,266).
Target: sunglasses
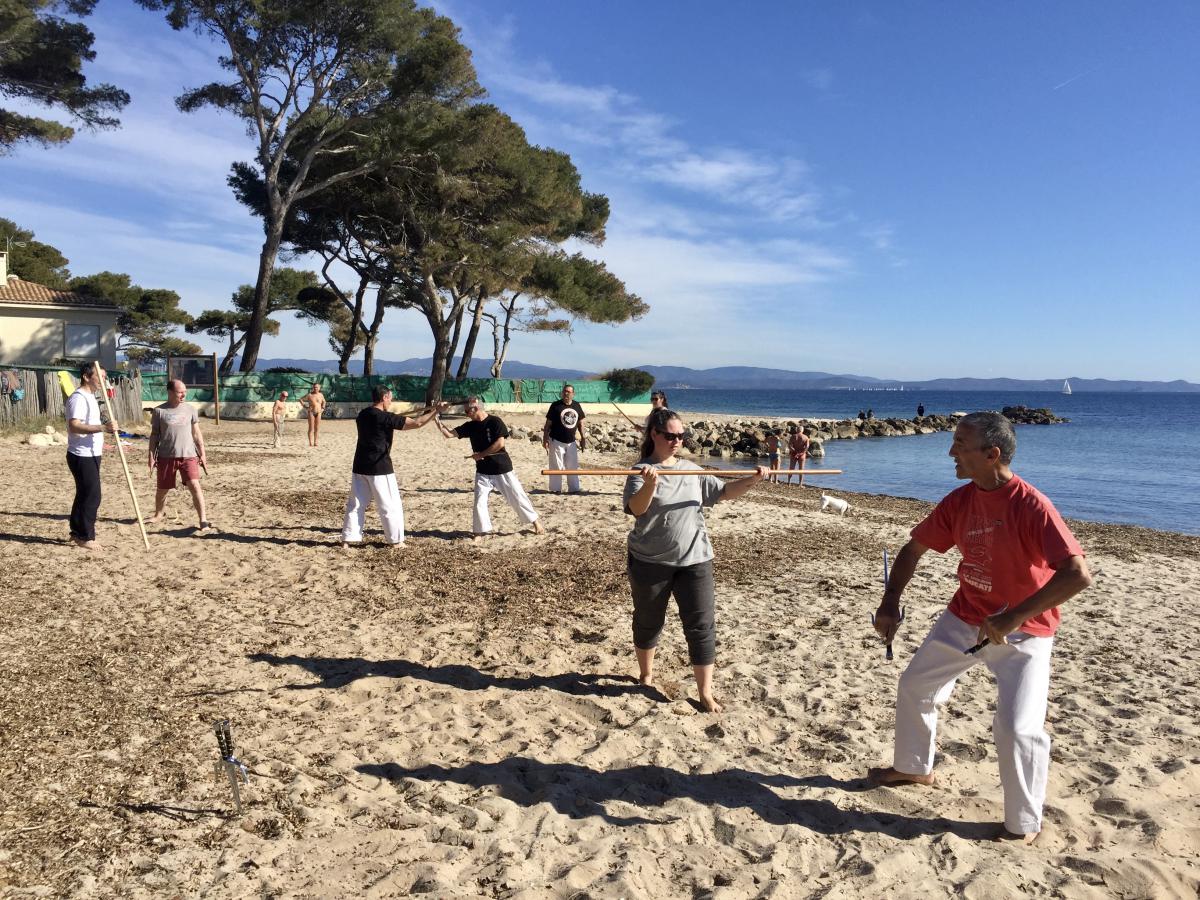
(669,436)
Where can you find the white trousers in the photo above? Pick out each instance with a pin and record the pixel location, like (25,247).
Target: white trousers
(278,434)
(1022,670)
(382,489)
(564,456)
(509,487)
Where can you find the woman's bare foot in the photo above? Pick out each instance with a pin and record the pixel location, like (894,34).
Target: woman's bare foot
(156,518)
(889,777)
(710,704)
(538,527)
(647,680)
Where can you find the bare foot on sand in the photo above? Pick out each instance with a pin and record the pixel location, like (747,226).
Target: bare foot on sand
(538,527)
(397,547)
(647,680)
(156,519)
(710,704)
(91,546)
(1004,836)
(889,777)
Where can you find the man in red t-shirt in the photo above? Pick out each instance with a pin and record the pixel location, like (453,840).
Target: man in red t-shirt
(1019,563)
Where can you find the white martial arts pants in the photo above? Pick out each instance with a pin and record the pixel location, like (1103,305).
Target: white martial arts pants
(384,490)
(510,488)
(1022,670)
(564,456)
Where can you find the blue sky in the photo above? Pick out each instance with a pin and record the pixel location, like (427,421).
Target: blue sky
(907,190)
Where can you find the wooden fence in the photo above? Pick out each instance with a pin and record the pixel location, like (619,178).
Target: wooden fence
(43,397)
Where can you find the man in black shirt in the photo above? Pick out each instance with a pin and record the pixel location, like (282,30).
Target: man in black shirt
(374,478)
(563,420)
(493,468)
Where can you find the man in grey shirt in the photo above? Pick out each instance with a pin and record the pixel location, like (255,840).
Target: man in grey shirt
(177,446)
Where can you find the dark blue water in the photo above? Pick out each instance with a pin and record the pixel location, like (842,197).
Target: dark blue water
(1124,457)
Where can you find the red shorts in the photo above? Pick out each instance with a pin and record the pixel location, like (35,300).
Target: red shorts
(187,466)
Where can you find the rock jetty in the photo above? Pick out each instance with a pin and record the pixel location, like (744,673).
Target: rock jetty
(747,438)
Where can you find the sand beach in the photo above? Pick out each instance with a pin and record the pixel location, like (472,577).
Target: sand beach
(454,720)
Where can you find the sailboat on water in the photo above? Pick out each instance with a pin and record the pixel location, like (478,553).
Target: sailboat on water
(1066,387)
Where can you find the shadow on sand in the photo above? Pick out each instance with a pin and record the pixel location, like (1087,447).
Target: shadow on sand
(336,672)
(578,792)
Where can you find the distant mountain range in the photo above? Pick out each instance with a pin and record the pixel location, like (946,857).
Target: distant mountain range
(752,377)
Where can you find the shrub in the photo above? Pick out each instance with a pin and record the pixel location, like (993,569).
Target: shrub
(629,382)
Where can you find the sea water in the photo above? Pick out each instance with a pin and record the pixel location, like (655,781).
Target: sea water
(1129,458)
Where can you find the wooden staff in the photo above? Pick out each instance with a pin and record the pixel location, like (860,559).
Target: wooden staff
(112,417)
(627,419)
(425,409)
(720,473)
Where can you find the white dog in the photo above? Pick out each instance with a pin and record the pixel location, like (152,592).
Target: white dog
(835,504)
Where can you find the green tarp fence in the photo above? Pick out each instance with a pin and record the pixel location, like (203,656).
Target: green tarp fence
(259,387)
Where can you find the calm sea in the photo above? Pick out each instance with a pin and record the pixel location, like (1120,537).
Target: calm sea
(1127,458)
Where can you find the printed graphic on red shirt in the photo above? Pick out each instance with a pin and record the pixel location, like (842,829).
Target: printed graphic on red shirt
(979,541)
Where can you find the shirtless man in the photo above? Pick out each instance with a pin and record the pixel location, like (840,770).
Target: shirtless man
(314,404)
(278,411)
(797,452)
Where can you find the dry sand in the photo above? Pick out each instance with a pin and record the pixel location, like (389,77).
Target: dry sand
(461,721)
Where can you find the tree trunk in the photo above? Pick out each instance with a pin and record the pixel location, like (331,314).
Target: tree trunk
(234,344)
(502,334)
(355,324)
(262,289)
(372,337)
(464,366)
(443,345)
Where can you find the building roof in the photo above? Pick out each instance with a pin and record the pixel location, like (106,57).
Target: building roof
(27,292)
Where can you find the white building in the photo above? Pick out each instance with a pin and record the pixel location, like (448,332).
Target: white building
(39,324)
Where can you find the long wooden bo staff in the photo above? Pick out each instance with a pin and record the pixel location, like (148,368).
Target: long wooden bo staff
(627,419)
(720,473)
(112,415)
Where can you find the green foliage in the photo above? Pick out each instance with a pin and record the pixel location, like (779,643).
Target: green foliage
(629,382)
(145,318)
(41,59)
(583,288)
(310,80)
(30,259)
(285,370)
(232,324)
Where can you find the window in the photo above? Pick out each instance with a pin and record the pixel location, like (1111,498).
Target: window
(81,341)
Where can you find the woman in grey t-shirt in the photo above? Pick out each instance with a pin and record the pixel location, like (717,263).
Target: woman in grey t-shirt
(669,550)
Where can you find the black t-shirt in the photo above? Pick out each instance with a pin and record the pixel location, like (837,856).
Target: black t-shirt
(563,419)
(483,435)
(373,455)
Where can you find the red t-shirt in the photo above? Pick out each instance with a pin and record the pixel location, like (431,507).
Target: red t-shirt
(1009,539)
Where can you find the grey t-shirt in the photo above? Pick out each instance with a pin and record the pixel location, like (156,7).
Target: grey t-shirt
(173,428)
(672,532)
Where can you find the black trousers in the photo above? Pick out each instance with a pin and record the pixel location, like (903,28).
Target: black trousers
(86,471)
(652,586)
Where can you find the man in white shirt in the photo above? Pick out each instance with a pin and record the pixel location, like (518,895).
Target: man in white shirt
(85,446)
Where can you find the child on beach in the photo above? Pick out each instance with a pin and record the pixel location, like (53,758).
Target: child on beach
(773,455)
